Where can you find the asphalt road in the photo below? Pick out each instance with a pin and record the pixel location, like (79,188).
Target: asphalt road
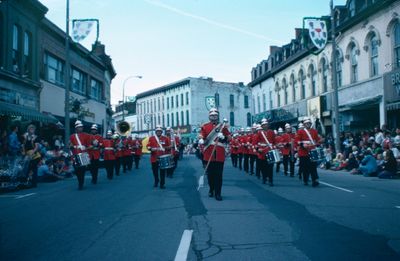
(345,218)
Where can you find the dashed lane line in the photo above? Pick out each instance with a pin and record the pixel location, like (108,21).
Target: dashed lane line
(181,254)
(332,186)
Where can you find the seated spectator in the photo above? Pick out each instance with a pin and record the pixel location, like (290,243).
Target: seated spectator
(368,165)
(61,169)
(352,162)
(389,168)
(339,162)
(328,156)
(379,162)
(45,173)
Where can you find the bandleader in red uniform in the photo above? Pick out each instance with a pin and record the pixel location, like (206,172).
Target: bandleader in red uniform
(79,143)
(175,143)
(287,141)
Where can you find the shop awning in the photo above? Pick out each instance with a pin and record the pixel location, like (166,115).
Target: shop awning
(360,103)
(25,112)
(393,106)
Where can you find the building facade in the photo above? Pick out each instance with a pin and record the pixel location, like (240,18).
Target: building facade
(184,105)
(300,83)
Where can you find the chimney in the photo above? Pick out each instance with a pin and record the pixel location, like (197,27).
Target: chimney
(298,32)
(273,49)
(99,49)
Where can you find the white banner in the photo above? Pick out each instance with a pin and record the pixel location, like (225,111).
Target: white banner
(318,32)
(81,30)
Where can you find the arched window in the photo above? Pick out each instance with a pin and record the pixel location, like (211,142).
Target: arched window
(168,120)
(177,118)
(293,84)
(187,117)
(339,59)
(397,45)
(302,85)
(374,55)
(172,120)
(216,100)
(248,119)
(16,51)
(324,70)
(182,118)
(258,104)
(353,63)
(232,118)
(285,93)
(312,73)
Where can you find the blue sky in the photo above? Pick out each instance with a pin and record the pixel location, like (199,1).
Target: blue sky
(165,41)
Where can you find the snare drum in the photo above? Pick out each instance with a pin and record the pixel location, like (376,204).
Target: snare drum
(82,159)
(273,156)
(166,161)
(317,155)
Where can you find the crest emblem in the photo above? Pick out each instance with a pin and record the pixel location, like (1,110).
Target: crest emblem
(210,102)
(318,32)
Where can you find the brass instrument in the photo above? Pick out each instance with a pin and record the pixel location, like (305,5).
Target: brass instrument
(124,128)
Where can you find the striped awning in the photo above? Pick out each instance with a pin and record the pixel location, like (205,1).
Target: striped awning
(393,106)
(26,112)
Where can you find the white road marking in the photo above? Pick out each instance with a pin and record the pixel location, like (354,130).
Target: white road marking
(397,206)
(26,195)
(181,254)
(329,185)
(201,182)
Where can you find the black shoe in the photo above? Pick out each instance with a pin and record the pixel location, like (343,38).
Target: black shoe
(264,181)
(286,173)
(80,188)
(271,184)
(94,182)
(211,194)
(155,185)
(218,197)
(162,187)
(291,175)
(305,183)
(258,177)
(315,183)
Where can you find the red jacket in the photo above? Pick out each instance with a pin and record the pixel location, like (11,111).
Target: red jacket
(234,146)
(119,145)
(287,140)
(177,144)
(109,147)
(137,147)
(219,152)
(302,138)
(94,150)
(164,141)
(261,143)
(85,142)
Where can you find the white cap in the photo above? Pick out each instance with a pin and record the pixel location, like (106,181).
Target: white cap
(241,129)
(94,127)
(306,120)
(254,126)
(264,122)
(168,129)
(259,127)
(158,127)
(248,129)
(301,125)
(280,130)
(213,111)
(109,132)
(78,124)
(287,126)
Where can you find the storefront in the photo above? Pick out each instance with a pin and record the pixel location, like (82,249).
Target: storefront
(392,97)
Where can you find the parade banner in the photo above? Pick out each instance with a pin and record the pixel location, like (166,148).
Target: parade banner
(81,28)
(210,102)
(317,32)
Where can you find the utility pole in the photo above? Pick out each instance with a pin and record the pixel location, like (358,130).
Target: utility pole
(335,105)
(67,78)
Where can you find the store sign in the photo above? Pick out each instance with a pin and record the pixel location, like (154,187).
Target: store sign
(392,86)
(314,108)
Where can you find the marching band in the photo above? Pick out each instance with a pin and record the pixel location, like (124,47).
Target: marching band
(255,149)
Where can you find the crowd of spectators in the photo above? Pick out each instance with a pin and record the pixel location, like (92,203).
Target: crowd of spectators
(370,153)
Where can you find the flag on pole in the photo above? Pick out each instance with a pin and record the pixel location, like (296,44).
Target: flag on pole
(81,29)
(318,32)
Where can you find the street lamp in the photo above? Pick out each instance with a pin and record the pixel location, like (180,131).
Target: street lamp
(123,93)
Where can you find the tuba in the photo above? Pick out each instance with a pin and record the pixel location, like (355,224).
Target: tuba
(123,128)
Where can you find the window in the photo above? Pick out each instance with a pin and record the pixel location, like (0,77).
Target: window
(264,101)
(182,117)
(168,120)
(96,90)
(374,55)
(279,99)
(293,88)
(352,8)
(232,118)
(312,79)
(15,49)
(187,98)
(159,119)
(216,100)
(162,103)
(302,85)
(246,101)
(172,120)
(354,64)
(231,100)
(324,75)
(159,104)
(78,82)
(248,119)
(284,86)
(177,119)
(286,96)
(258,104)
(163,120)
(339,68)
(397,45)
(177,100)
(54,69)
(27,58)
(168,104)
(151,106)
(182,99)
(187,117)
(270,100)
(172,101)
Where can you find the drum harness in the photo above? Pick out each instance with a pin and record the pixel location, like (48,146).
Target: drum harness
(159,144)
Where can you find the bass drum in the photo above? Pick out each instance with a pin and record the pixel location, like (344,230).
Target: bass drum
(166,161)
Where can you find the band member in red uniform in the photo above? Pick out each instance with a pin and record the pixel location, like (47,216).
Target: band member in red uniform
(79,142)
(241,147)
(158,145)
(234,146)
(246,141)
(96,143)
(257,153)
(212,136)
(109,154)
(265,140)
(307,139)
(279,146)
(175,143)
(118,153)
(252,153)
(287,141)
(137,150)
(129,152)
(126,153)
